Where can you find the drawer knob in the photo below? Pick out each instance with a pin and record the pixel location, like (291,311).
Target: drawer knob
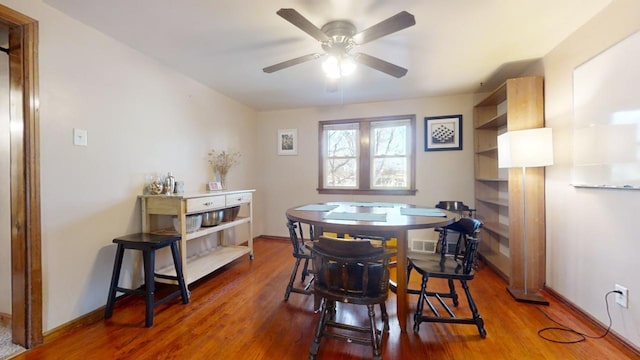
(208,203)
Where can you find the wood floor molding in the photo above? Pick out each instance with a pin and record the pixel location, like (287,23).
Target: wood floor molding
(622,341)
(66,328)
(5,319)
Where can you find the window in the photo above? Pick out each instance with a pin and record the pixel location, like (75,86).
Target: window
(367,156)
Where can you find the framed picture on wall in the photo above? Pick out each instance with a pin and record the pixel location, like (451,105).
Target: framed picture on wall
(287,141)
(443,133)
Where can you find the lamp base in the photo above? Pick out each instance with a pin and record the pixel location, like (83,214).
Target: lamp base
(530,296)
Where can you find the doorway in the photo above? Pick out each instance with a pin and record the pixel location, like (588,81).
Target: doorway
(24,178)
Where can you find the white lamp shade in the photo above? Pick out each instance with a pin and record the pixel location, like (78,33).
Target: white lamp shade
(525,148)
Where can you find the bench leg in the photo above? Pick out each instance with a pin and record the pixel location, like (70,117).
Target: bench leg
(148,257)
(177,262)
(115,278)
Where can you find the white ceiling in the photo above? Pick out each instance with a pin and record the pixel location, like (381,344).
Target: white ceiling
(224,44)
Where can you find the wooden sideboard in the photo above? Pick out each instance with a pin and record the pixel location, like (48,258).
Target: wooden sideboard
(224,246)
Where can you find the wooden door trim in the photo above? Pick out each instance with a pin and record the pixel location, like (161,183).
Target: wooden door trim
(26,263)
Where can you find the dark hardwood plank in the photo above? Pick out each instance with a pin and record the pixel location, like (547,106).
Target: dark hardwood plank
(239,313)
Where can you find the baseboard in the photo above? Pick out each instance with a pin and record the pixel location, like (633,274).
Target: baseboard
(86,319)
(273,237)
(504,276)
(619,339)
(5,319)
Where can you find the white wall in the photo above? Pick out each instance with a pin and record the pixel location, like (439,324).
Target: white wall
(141,118)
(287,181)
(592,240)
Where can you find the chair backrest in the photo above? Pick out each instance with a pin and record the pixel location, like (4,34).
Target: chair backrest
(465,226)
(456,206)
(297,236)
(351,270)
(470,229)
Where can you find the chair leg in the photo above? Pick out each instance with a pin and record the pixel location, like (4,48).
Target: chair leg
(115,278)
(417,318)
(452,292)
(474,310)
(305,270)
(385,316)
(315,345)
(376,340)
(292,279)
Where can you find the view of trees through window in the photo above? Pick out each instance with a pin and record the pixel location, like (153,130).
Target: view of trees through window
(368,154)
(342,157)
(389,150)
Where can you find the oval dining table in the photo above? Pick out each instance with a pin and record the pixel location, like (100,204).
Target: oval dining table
(379,219)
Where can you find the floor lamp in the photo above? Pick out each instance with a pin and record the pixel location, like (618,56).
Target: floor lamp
(523,149)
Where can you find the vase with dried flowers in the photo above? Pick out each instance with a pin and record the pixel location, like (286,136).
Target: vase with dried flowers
(221,162)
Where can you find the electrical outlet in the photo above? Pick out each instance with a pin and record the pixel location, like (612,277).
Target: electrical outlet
(622,299)
(79,137)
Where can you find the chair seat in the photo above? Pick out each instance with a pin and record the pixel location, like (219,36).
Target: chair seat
(436,266)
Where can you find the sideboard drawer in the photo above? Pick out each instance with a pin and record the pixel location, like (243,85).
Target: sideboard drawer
(202,204)
(237,199)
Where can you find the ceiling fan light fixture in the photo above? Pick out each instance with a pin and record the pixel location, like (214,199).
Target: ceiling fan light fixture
(336,67)
(338,38)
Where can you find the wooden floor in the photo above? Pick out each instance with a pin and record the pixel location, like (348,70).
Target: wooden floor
(239,313)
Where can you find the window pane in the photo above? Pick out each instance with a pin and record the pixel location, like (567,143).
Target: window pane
(389,148)
(389,140)
(341,165)
(341,143)
(341,173)
(390,172)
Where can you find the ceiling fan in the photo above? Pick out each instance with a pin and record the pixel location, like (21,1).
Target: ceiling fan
(338,39)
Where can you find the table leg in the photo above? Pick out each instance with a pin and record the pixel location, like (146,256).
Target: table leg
(402,302)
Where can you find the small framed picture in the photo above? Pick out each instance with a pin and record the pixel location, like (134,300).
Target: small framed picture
(287,141)
(443,133)
(214,185)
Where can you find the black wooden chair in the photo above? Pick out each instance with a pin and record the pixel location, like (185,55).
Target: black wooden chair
(450,268)
(354,272)
(300,253)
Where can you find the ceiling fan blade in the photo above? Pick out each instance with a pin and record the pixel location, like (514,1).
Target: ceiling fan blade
(303,24)
(288,63)
(380,65)
(397,22)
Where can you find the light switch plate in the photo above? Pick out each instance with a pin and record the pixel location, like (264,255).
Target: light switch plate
(79,137)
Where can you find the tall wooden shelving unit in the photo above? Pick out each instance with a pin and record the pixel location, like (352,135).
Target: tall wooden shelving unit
(517,104)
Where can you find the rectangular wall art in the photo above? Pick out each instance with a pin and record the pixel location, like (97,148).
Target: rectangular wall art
(443,133)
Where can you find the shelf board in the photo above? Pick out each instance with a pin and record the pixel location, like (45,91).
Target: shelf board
(494,123)
(497,228)
(492,180)
(487,150)
(496,97)
(494,201)
(207,262)
(205,230)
